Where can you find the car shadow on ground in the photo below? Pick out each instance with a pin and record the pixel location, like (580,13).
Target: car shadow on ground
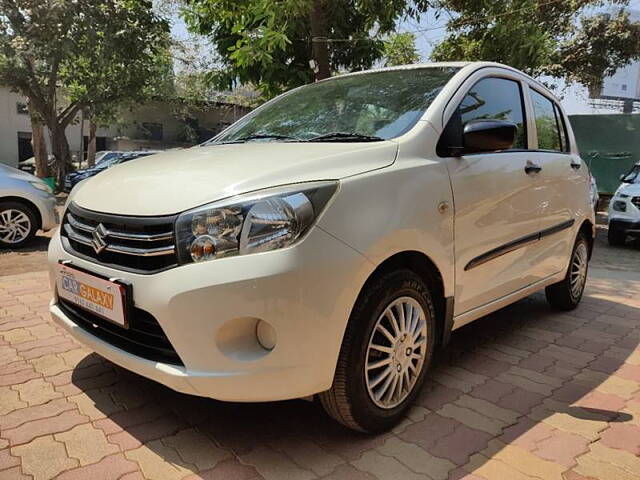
(531,363)
(39,243)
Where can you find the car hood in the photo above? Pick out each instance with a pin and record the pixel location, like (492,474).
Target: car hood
(171,182)
(631,189)
(10,172)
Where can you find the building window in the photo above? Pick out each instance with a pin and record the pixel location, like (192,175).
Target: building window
(624,87)
(22,108)
(152,131)
(25,149)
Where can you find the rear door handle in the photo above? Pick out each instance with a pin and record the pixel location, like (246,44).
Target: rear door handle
(531,168)
(575,165)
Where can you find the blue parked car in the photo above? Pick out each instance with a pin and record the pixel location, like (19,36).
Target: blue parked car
(105,162)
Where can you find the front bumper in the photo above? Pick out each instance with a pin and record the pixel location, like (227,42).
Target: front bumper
(47,204)
(206,310)
(630,227)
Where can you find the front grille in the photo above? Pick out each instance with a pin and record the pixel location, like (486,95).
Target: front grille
(636,201)
(144,337)
(135,244)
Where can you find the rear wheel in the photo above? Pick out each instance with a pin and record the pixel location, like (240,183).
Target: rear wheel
(18,224)
(566,295)
(385,354)
(616,236)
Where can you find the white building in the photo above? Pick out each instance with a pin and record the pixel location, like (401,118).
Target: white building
(625,83)
(149,127)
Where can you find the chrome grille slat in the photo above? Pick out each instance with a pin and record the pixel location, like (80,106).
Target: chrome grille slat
(141,252)
(75,236)
(140,237)
(141,244)
(78,225)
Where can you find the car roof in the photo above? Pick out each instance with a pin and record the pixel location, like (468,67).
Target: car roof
(472,66)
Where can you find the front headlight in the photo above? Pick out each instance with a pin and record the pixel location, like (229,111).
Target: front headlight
(41,186)
(252,223)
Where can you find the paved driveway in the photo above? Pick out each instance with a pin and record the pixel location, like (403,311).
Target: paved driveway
(523,393)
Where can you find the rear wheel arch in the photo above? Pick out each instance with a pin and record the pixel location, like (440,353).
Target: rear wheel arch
(588,229)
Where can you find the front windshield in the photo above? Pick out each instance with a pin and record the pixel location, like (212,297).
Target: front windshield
(111,161)
(633,176)
(378,105)
(108,157)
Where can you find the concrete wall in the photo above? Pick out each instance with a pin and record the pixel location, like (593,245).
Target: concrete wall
(10,124)
(127,134)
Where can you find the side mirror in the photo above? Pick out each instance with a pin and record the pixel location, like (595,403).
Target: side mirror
(622,177)
(489,135)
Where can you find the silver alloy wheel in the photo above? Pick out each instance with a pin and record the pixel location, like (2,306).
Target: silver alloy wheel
(396,352)
(14,226)
(578,272)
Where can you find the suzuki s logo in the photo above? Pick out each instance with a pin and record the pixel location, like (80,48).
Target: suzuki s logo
(98,241)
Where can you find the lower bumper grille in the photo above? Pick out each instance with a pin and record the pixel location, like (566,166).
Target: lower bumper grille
(144,337)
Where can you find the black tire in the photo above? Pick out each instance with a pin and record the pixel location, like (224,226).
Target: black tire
(616,236)
(562,295)
(348,400)
(33,223)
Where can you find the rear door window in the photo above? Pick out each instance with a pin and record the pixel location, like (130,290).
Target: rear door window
(563,129)
(549,136)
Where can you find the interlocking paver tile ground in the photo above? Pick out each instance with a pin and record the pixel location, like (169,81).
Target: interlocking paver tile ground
(525,393)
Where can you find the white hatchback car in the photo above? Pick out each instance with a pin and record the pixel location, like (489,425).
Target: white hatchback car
(328,242)
(624,208)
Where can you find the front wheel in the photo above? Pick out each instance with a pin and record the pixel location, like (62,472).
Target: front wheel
(18,224)
(385,353)
(566,294)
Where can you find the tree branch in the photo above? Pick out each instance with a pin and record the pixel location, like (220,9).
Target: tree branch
(69,113)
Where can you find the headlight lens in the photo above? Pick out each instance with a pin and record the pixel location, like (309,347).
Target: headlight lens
(41,186)
(619,206)
(260,222)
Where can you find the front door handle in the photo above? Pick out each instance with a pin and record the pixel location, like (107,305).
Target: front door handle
(532,168)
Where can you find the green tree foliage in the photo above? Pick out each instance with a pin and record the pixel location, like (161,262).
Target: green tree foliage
(65,56)
(559,38)
(269,43)
(400,49)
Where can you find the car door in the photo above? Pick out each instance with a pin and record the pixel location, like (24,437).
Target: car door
(497,202)
(562,183)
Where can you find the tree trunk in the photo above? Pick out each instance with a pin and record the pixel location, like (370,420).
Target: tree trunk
(60,150)
(627,107)
(319,42)
(91,146)
(39,147)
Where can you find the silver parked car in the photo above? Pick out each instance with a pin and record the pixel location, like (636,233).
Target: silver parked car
(26,206)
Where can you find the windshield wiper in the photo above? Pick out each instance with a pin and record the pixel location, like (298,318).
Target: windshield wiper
(345,137)
(258,136)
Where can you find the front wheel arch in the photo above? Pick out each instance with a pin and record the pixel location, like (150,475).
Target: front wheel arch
(426,269)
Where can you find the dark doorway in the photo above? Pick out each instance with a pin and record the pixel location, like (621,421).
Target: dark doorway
(25,149)
(101,144)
